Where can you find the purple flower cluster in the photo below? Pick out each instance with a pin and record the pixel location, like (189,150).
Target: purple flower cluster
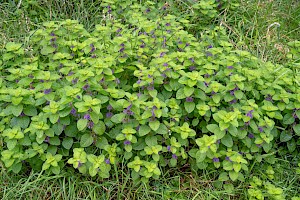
(47,91)
(269,98)
(216,159)
(295,115)
(79,164)
(73,112)
(192,60)
(92,48)
(228,159)
(117,81)
(74,81)
(128,110)
(250,135)
(192,68)
(127,142)
(47,139)
(109,115)
(232,91)
(250,114)
(169,148)
(22,114)
(189,99)
(152,111)
(87,116)
(208,54)
(90,125)
(109,107)
(174,156)
(86,87)
(233,101)
(109,9)
(162,54)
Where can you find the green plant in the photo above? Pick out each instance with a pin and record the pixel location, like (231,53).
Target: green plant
(145,91)
(261,189)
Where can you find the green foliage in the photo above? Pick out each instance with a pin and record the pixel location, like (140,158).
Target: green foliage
(264,189)
(141,88)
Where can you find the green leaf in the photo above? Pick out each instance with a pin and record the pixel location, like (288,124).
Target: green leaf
(228,187)
(118,118)
(23,122)
(288,119)
(16,109)
(54,118)
(45,166)
(153,93)
(11,143)
(30,110)
(81,124)
(173,162)
(128,155)
(47,50)
(285,136)
(128,148)
(162,129)
(200,94)
(71,130)
(189,106)
(54,141)
(291,145)
(67,142)
(200,156)
(154,125)
(99,128)
(55,170)
(233,130)
(188,91)
(223,176)
(151,140)
(233,175)
(120,137)
(297,129)
(238,94)
(16,168)
(94,117)
(101,142)
(227,140)
(216,98)
(144,130)
(180,94)
(237,167)
(11,46)
(86,140)
(213,128)
(16,100)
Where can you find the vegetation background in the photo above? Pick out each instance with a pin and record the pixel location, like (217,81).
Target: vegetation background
(262,27)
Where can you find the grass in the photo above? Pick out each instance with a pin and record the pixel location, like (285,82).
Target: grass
(264,27)
(252,26)
(173,184)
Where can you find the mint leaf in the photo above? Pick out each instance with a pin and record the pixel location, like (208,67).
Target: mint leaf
(81,124)
(86,140)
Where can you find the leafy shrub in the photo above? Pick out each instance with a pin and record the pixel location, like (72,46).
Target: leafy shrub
(145,91)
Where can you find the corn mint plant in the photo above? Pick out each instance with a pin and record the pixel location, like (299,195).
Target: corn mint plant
(144,92)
